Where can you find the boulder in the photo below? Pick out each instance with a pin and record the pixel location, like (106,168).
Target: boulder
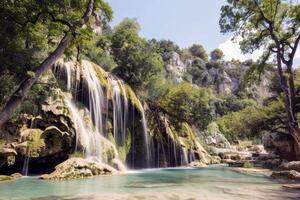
(215,160)
(117,164)
(197,164)
(16,175)
(294,165)
(287,174)
(75,168)
(280,144)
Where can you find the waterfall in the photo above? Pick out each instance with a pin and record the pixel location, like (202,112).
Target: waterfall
(120,110)
(83,86)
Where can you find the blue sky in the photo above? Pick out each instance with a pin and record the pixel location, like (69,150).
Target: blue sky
(183,21)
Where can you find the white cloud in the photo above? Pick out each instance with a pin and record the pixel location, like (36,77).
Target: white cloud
(232,50)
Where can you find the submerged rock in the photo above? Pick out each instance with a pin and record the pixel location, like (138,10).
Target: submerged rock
(75,168)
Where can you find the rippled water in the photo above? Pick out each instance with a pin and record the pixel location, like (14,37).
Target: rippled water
(179,183)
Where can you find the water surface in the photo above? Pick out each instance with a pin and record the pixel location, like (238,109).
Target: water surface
(174,184)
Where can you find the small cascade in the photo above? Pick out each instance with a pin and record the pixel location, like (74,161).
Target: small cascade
(146,138)
(27,157)
(25,166)
(184,157)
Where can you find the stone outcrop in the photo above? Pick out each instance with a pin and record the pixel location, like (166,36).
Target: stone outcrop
(226,77)
(293,165)
(175,67)
(75,168)
(287,174)
(280,144)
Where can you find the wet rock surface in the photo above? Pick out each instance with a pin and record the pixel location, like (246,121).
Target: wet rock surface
(75,168)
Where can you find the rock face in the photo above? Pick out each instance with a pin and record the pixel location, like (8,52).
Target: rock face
(280,144)
(226,77)
(175,67)
(75,168)
(214,137)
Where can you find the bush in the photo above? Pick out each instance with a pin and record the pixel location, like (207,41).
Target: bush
(248,164)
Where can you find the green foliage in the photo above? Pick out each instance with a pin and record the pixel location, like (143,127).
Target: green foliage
(216,54)
(248,164)
(199,73)
(137,60)
(165,46)
(253,121)
(232,104)
(197,50)
(36,96)
(188,103)
(8,83)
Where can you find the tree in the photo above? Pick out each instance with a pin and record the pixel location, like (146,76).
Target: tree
(33,25)
(137,60)
(198,50)
(273,25)
(188,103)
(216,55)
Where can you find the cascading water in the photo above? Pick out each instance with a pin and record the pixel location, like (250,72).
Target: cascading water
(146,138)
(96,95)
(110,102)
(120,109)
(89,140)
(25,166)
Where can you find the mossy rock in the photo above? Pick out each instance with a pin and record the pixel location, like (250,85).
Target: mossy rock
(35,143)
(6,178)
(2,143)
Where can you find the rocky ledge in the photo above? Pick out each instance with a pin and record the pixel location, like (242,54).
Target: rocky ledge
(11,177)
(76,168)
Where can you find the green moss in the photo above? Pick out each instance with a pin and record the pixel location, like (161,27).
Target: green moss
(6,178)
(35,143)
(2,143)
(110,153)
(77,154)
(124,150)
(111,138)
(190,135)
(133,98)
(103,78)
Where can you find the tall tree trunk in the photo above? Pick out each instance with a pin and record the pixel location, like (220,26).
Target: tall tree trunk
(288,89)
(22,90)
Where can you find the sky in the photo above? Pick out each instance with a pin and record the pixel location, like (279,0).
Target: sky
(185,22)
